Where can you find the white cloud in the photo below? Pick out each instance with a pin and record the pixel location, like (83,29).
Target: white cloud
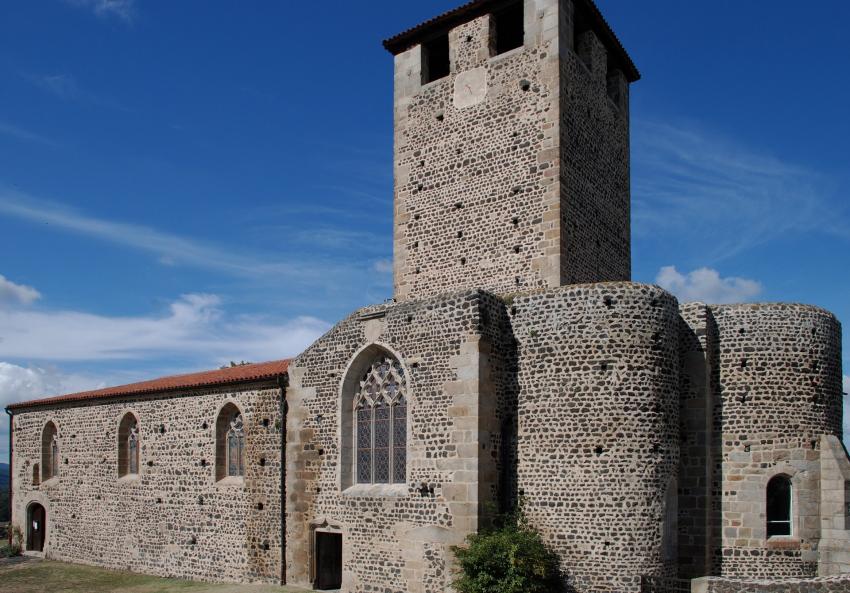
(19,133)
(694,185)
(17,293)
(193,326)
(123,9)
(306,273)
(61,85)
(706,285)
(384,266)
(19,383)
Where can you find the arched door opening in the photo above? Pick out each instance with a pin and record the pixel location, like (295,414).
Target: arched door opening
(36,527)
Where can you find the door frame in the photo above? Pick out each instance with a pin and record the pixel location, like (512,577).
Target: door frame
(322,525)
(29,532)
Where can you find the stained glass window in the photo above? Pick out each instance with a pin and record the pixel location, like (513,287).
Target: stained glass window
(236,447)
(381,424)
(54,456)
(133,449)
(399,440)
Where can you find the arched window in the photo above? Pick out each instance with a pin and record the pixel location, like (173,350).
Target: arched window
(380,423)
(230,443)
(49,452)
(36,475)
(779,506)
(128,446)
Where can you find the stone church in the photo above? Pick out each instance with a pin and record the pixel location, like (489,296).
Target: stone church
(652,442)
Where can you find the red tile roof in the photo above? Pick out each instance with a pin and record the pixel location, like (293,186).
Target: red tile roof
(407,39)
(239,374)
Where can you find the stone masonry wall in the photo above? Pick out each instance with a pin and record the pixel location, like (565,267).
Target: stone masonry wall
(697,378)
(837,584)
(511,173)
(396,538)
(476,197)
(595,219)
(779,392)
(599,427)
(174,520)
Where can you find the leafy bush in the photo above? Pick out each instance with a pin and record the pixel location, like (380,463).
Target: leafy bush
(508,559)
(14,549)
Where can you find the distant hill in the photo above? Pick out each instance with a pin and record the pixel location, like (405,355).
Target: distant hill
(4,474)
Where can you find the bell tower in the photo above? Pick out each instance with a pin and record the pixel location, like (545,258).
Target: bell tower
(511,157)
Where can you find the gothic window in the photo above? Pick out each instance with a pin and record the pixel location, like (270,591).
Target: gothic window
(380,421)
(128,446)
(49,452)
(230,443)
(779,506)
(235,447)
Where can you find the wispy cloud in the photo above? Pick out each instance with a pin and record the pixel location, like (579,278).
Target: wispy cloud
(17,293)
(18,383)
(193,327)
(384,266)
(122,9)
(306,274)
(66,87)
(707,286)
(688,180)
(61,85)
(19,133)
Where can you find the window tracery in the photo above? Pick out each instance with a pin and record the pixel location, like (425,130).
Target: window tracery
(380,410)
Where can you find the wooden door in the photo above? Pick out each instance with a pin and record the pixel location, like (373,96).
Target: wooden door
(328,561)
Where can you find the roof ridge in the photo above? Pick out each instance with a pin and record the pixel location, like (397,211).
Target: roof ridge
(229,375)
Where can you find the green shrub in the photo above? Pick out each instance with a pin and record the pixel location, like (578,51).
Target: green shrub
(14,549)
(508,559)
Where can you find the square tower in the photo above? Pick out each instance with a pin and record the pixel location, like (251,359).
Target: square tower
(511,156)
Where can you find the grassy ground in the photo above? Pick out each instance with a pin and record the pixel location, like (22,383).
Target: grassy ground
(42,576)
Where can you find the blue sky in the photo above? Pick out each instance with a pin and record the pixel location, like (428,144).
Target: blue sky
(188,183)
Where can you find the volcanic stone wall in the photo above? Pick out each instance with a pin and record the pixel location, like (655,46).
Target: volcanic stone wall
(834,584)
(511,173)
(595,208)
(598,370)
(779,392)
(397,537)
(698,383)
(173,519)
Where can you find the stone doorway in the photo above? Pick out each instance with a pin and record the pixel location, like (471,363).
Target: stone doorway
(328,556)
(36,527)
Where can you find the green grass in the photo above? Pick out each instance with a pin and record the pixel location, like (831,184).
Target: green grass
(43,576)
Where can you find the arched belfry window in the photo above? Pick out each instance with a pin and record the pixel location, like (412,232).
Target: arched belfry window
(128,446)
(779,511)
(380,409)
(49,452)
(230,443)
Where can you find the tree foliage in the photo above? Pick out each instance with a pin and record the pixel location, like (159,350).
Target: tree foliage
(510,558)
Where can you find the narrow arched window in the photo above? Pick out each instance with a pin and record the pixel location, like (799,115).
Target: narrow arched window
(380,410)
(128,446)
(230,443)
(36,475)
(779,506)
(49,452)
